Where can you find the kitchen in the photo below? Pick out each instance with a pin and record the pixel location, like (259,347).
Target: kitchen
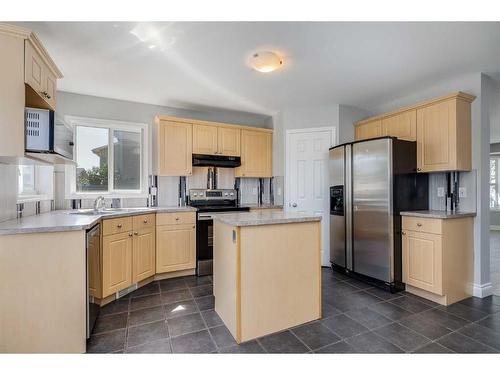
(203,231)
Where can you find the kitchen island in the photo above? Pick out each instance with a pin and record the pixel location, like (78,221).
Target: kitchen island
(267,271)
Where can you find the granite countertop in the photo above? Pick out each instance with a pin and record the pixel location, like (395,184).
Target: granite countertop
(263,206)
(63,220)
(435,214)
(264,217)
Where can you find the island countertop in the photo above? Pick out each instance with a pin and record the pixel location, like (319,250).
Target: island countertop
(67,220)
(436,214)
(264,217)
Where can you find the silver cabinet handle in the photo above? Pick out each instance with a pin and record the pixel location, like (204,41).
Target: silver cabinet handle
(130,234)
(145,221)
(136,233)
(403,233)
(119,225)
(419,225)
(176,218)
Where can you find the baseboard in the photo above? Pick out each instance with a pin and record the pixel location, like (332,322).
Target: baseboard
(482,291)
(494,227)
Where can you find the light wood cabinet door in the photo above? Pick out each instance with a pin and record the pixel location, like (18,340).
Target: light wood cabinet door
(116,263)
(368,130)
(39,77)
(33,68)
(175,149)
(143,254)
(435,137)
(175,247)
(422,261)
(205,139)
(402,125)
(228,141)
(256,154)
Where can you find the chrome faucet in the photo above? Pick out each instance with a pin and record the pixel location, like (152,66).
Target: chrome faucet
(99,203)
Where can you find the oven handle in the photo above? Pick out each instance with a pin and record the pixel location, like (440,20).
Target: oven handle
(205,217)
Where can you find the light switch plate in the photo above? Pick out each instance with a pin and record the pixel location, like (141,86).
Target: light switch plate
(440,192)
(254,191)
(462,192)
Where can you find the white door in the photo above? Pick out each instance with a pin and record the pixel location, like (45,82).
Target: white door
(307,177)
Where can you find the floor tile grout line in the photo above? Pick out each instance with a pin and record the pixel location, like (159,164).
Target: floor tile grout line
(298,338)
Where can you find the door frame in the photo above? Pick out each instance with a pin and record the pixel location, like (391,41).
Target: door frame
(334,136)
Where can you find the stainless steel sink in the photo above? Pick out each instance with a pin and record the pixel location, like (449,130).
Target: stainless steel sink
(92,212)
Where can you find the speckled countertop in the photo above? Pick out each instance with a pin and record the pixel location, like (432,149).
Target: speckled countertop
(264,217)
(434,214)
(263,206)
(64,220)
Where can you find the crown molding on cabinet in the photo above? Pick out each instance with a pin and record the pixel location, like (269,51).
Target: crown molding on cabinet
(459,95)
(21,32)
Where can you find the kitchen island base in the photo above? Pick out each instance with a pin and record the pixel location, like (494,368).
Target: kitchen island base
(267,278)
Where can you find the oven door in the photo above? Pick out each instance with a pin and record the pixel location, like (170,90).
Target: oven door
(204,244)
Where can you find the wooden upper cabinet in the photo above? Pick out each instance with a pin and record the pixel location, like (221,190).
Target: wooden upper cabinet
(216,140)
(205,139)
(367,130)
(256,154)
(402,125)
(228,141)
(174,148)
(41,80)
(444,136)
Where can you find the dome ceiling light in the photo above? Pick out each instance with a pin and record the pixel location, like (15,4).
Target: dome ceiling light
(265,61)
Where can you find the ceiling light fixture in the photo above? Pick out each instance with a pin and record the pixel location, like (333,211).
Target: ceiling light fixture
(265,61)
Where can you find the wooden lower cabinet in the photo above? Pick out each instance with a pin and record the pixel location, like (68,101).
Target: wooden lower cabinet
(143,254)
(116,262)
(438,258)
(423,261)
(175,247)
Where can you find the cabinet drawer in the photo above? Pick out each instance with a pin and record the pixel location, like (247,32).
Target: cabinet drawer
(419,224)
(176,218)
(118,225)
(143,221)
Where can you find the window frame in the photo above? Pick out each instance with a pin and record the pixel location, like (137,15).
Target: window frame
(112,126)
(496,184)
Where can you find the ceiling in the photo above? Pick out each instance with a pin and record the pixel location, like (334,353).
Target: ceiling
(203,64)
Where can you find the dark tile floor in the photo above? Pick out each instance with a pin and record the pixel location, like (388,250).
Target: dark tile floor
(177,316)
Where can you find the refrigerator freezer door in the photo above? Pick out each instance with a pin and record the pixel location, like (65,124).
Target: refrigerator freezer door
(337,222)
(373,246)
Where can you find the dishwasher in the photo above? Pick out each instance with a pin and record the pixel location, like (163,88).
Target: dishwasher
(93,256)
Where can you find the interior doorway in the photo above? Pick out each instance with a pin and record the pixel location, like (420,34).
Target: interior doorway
(306,176)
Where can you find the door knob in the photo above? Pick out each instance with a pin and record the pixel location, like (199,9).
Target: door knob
(294,204)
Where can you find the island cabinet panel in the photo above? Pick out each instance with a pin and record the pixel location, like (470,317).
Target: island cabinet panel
(438,258)
(402,125)
(228,141)
(205,139)
(175,148)
(256,154)
(267,278)
(372,129)
(175,247)
(143,254)
(116,262)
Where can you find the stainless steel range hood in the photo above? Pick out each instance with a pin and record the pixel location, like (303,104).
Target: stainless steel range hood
(200,160)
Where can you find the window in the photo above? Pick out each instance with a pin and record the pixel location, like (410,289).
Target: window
(494,182)
(111,157)
(35,182)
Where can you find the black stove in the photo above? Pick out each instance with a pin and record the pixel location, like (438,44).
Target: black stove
(209,202)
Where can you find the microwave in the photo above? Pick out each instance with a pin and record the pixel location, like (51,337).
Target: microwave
(45,133)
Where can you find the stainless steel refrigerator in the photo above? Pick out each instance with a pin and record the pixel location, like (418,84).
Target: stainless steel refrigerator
(371,182)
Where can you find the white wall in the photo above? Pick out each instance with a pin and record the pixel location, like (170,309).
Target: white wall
(348,115)
(479,85)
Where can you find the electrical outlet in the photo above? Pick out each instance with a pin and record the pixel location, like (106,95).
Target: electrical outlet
(254,191)
(279,191)
(440,192)
(462,192)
